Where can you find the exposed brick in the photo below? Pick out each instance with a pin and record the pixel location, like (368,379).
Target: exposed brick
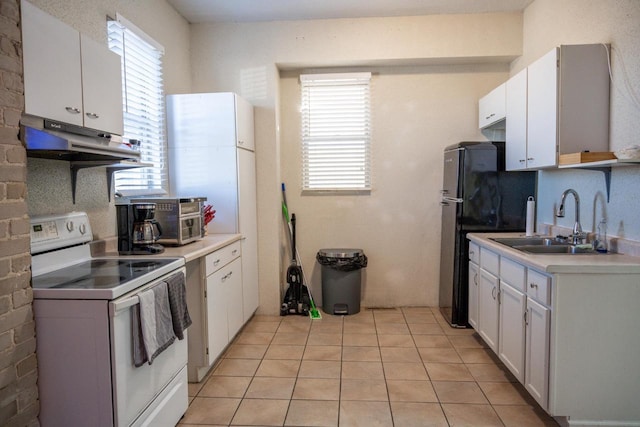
(22,297)
(18,245)
(23,350)
(27,365)
(7,374)
(14,282)
(9,27)
(3,186)
(9,411)
(19,263)
(4,231)
(6,341)
(24,332)
(8,394)
(13,209)
(27,397)
(16,154)
(13,173)
(12,117)
(9,136)
(10,10)
(12,81)
(5,265)
(19,227)
(16,190)
(27,381)
(26,417)
(5,304)
(9,98)
(9,47)
(16,317)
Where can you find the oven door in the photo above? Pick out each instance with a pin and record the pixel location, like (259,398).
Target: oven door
(154,394)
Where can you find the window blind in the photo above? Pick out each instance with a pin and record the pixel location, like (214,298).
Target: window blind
(144,115)
(336,131)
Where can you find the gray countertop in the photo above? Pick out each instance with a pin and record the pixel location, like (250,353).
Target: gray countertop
(556,263)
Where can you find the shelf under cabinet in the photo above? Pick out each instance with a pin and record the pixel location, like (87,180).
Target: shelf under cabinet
(603,166)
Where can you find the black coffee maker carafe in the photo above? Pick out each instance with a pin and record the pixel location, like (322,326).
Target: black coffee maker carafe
(138,231)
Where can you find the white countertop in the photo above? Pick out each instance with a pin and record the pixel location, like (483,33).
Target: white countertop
(557,263)
(202,247)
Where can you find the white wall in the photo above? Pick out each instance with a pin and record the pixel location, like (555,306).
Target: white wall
(48,181)
(548,23)
(417,105)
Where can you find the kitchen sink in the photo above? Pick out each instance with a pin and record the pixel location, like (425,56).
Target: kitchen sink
(527,241)
(543,245)
(563,249)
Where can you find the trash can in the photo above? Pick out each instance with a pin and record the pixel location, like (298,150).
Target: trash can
(341,279)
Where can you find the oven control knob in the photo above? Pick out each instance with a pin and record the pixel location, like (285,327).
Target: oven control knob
(70,226)
(83,228)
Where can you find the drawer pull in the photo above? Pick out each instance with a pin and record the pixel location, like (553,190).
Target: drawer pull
(472,253)
(533,285)
(235,251)
(216,262)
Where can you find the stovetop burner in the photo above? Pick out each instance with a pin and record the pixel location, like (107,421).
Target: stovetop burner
(100,278)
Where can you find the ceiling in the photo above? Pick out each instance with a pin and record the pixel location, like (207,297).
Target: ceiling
(197,11)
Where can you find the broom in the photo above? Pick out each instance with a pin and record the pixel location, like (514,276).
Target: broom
(314,313)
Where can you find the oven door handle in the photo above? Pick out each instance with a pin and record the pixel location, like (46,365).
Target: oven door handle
(116,307)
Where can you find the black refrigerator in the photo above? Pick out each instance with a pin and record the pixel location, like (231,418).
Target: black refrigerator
(478,195)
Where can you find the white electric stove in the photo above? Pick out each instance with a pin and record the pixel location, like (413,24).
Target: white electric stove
(82,306)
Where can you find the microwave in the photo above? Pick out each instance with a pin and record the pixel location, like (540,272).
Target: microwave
(181,219)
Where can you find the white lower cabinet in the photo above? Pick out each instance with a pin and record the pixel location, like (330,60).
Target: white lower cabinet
(512,330)
(474,277)
(510,308)
(224,303)
(215,301)
(536,378)
(488,310)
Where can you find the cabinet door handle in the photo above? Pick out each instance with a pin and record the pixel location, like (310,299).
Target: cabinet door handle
(235,251)
(526,317)
(522,160)
(241,142)
(533,285)
(471,252)
(493,292)
(72,110)
(475,279)
(92,115)
(529,159)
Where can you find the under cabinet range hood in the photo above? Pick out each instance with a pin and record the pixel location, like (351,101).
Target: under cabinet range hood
(49,139)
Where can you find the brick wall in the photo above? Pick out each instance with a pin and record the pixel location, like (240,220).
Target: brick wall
(18,365)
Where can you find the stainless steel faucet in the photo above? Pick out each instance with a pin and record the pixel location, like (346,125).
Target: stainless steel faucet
(578,237)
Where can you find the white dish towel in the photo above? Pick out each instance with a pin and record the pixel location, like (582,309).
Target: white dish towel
(152,324)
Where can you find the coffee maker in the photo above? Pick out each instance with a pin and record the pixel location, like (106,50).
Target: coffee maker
(138,231)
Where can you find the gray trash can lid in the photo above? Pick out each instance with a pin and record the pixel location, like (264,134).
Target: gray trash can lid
(340,253)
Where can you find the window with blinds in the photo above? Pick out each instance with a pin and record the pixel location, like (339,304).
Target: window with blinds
(144,115)
(336,131)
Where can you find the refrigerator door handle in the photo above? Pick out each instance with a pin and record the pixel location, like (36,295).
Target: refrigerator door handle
(452,200)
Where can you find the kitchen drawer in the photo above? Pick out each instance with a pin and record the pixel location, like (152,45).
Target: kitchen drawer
(539,287)
(513,273)
(474,253)
(223,256)
(490,261)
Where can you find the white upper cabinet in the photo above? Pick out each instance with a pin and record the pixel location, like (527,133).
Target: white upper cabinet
(67,77)
(101,87)
(491,107)
(567,107)
(516,127)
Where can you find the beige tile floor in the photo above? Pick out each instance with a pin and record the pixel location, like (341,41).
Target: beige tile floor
(380,367)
